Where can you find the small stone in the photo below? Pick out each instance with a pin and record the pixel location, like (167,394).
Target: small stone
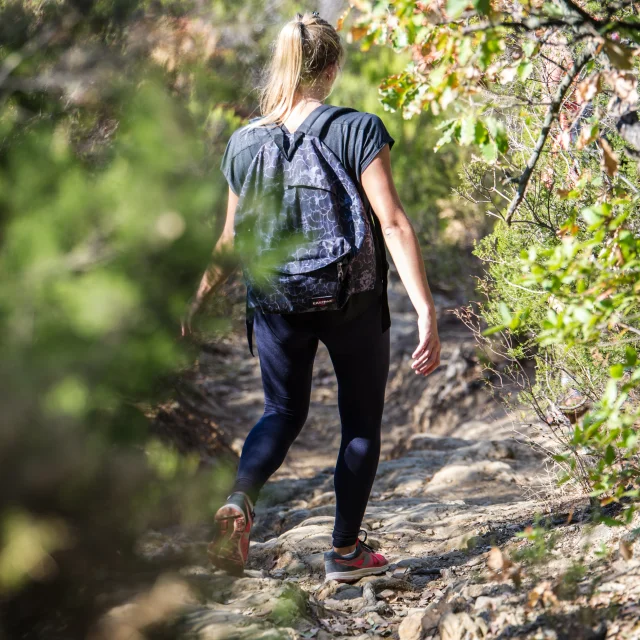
(474,590)
(461,626)
(374,618)
(347,592)
(255,573)
(352,605)
(485,603)
(326,590)
(411,627)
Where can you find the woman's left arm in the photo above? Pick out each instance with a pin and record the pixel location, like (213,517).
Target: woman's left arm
(404,248)
(219,270)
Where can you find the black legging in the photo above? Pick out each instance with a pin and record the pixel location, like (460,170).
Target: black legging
(359,351)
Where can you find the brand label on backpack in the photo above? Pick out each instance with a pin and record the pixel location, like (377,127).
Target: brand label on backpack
(320,302)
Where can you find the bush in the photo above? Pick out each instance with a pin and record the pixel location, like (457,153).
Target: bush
(547,94)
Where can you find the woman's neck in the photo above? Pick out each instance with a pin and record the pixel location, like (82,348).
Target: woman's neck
(302,107)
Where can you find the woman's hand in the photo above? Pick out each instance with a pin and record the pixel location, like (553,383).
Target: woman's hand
(192,309)
(426,358)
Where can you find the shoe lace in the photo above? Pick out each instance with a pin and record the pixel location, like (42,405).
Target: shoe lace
(363,543)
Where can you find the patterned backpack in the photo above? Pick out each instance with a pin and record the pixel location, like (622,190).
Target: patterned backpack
(301,229)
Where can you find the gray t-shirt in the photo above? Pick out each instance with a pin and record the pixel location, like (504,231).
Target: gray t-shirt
(356,138)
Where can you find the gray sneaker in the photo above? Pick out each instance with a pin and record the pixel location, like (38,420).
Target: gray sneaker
(355,565)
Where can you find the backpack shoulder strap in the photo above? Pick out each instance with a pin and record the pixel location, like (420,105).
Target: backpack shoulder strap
(276,134)
(313,125)
(323,114)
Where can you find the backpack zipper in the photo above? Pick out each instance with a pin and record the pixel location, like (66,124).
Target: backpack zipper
(340,272)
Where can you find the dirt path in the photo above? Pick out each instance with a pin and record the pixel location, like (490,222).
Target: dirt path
(453,482)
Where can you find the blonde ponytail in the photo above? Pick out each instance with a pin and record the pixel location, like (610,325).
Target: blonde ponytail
(305,47)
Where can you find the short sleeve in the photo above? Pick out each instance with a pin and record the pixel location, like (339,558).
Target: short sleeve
(374,137)
(230,165)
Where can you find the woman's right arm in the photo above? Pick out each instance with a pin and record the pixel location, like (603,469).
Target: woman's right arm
(218,270)
(404,248)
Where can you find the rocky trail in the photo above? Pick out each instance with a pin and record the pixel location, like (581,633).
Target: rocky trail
(453,508)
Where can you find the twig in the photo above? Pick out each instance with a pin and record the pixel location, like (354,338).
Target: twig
(585,15)
(529,26)
(518,286)
(628,327)
(551,115)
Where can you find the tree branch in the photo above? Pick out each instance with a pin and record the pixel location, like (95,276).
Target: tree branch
(585,15)
(552,113)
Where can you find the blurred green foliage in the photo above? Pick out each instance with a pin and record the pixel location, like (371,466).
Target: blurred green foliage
(108,178)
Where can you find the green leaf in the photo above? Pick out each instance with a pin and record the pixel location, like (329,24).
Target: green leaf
(490,151)
(437,75)
(616,371)
(465,51)
(480,133)
(452,129)
(629,438)
(483,6)
(591,217)
(491,330)
(578,435)
(505,314)
(630,356)
(611,393)
(502,141)
(525,69)
(609,455)
(498,133)
(455,8)
(468,131)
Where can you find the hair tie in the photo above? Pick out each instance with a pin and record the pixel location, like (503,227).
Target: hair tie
(315,14)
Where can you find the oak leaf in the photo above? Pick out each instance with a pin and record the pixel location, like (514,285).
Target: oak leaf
(589,88)
(609,158)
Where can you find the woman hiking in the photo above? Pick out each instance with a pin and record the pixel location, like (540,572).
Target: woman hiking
(310,188)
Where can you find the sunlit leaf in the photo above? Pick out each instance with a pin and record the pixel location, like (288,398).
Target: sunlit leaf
(588,88)
(492,330)
(490,151)
(505,314)
(591,216)
(455,8)
(616,371)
